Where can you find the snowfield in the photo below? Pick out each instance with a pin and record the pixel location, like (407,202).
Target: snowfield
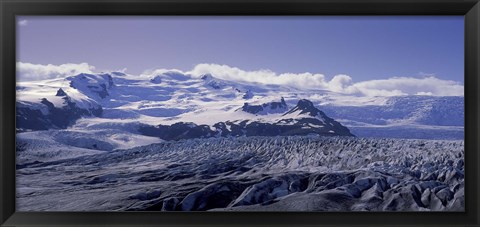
(294,173)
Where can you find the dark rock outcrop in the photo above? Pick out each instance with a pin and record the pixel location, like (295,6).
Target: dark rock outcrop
(266,108)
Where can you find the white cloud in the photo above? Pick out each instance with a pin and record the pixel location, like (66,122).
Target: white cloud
(427,85)
(302,80)
(339,82)
(424,93)
(407,86)
(23,22)
(31,72)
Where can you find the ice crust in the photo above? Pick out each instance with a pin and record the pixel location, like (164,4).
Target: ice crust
(298,173)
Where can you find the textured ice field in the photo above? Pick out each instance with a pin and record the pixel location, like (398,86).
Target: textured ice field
(307,173)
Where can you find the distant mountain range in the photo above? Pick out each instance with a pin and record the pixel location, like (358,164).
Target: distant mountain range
(173,106)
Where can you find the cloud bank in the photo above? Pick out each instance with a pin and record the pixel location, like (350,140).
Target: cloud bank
(31,72)
(261,76)
(426,85)
(394,86)
(406,86)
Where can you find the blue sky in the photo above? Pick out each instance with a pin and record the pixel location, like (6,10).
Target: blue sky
(365,48)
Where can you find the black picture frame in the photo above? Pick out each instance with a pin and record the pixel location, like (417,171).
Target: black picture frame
(11,8)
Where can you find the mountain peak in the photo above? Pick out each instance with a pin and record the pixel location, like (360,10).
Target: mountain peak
(305,107)
(304,104)
(61,92)
(92,85)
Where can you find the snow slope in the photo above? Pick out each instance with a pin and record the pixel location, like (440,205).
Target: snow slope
(423,117)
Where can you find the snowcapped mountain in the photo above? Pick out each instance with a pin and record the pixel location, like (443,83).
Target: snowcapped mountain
(41,110)
(92,85)
(185,106)
(425,117)
(303,119)
(425,110)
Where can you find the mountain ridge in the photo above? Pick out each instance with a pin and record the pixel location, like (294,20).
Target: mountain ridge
(171,97)
(305,123)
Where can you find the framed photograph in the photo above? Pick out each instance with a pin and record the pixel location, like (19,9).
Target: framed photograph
(257,113)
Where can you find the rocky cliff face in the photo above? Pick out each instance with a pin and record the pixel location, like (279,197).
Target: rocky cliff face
(266,108)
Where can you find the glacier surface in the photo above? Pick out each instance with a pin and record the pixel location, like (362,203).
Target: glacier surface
(283,173)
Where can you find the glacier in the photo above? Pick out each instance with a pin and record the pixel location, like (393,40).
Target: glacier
(283,173)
